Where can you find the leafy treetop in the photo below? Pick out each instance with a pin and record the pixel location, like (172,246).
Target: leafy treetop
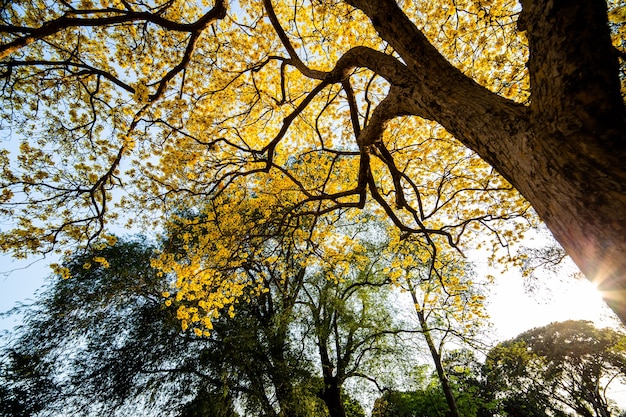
(175,101)
(310,110)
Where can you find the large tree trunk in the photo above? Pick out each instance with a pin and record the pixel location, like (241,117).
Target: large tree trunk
(566,152)
(577,173)
(331,391)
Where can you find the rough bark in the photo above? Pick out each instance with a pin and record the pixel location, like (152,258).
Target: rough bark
(565,152)
(577,179)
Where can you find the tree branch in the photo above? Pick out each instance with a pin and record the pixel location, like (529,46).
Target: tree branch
(124,16)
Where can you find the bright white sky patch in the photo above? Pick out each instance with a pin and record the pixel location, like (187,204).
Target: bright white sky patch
(513,309)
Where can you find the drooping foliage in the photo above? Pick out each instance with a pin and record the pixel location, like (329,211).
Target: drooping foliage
(104,343)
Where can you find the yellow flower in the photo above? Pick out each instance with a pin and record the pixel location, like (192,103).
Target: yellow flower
(103,262)
(60,270)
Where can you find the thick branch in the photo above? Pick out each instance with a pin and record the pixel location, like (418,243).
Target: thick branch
(124,16)
(482,120)
(84,67)
(578,182)
(293,55)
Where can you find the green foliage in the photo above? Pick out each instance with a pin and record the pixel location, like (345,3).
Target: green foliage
(429,402)
(209,404)
(558,369)
(352,407)
(464,374)
(30,390)
(105,341)
(470,389)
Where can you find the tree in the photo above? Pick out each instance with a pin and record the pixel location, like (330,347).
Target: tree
(560,368)
(103,343)
(105,333)
(348,311)
(427,402)
(448,305)
(430,400)
(29,391)
(318,295)
(335,104)
(472,391)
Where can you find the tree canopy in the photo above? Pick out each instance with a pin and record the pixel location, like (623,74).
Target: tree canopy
(436,116)
(558,369)
(103,342)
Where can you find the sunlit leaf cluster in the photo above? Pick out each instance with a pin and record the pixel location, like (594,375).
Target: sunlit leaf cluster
(217,120)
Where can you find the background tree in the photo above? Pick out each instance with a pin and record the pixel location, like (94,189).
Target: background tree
(102,342)
(27,387)
(560,368)
(448,305)
(429,402)
(105,334)
(324,287)
(464,372)
(335,104)
(350,316)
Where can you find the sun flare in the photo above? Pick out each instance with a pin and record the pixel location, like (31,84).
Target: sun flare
(514,309)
